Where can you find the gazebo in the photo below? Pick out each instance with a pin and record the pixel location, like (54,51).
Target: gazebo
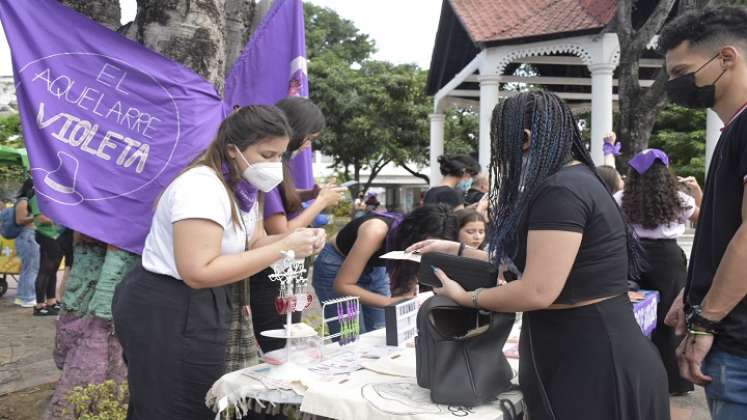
(483,46)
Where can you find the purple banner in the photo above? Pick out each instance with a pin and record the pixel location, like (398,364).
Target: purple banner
(107,123)
(273,66)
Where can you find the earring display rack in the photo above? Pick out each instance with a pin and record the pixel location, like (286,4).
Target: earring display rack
(347,315)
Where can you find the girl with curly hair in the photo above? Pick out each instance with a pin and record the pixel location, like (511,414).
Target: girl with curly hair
(658,211)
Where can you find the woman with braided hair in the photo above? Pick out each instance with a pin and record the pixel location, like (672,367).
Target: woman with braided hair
(658,211)
(562,243)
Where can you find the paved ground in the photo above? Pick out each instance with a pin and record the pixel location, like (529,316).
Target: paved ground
(26,365)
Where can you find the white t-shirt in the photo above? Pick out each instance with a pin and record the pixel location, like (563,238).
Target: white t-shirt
(672,230)
(198,193)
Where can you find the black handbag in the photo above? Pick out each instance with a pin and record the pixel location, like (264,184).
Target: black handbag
(459,352)
(470,273)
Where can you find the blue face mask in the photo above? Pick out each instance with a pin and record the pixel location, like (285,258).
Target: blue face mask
(465,185)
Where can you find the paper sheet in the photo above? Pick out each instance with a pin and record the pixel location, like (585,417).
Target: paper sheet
(402,255)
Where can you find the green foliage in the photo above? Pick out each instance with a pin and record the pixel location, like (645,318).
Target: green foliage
(680,132)
(329,34)
(105,401)
(343,209)
(11,136)
(461,131)
(10,130)
(376,111)
(376,114)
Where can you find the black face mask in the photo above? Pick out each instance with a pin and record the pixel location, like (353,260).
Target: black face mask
(683,90)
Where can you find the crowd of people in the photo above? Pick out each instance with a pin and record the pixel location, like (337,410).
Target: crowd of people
(570,239)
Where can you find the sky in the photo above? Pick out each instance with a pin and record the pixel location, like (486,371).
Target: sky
(404,31)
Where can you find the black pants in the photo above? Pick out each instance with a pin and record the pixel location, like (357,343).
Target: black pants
(50,257)
(665,270)
(262,294)
(174,343)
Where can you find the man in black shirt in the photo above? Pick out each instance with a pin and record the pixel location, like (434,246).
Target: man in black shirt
(706,58)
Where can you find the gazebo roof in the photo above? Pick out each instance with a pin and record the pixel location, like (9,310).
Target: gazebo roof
(468,26)
(514,21)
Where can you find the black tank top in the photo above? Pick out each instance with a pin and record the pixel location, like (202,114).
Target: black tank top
(348,235)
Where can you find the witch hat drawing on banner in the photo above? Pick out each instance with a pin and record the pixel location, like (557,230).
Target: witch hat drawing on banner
(59,184)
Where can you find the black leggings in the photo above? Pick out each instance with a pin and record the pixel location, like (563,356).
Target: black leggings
(665,271)
(50,257)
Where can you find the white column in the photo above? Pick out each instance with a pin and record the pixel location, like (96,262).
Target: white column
(601,107)
(437,146)
(713,132)
(489,89)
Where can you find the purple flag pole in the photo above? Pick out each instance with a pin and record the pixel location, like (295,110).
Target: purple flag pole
(107,123)
(272,67)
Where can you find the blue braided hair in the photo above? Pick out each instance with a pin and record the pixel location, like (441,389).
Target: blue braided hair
(555,141)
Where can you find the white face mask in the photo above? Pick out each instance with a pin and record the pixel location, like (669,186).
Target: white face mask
(263,175)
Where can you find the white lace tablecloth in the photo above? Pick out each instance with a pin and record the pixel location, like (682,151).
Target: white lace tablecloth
(385,389)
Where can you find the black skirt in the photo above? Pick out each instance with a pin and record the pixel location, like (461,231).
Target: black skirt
(591,363)
(665,270)
(174,342)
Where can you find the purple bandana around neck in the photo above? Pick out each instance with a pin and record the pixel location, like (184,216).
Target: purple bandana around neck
(246,193)
(642,161)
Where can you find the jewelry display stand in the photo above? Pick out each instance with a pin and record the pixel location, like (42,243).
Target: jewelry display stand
(347,315)
(294,297)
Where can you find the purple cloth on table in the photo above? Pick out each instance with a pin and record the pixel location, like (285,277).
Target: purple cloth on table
(645,311)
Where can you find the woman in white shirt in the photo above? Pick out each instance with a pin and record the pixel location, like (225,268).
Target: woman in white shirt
(659,211)
(172,314)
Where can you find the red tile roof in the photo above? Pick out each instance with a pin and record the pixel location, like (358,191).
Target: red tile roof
(502,20)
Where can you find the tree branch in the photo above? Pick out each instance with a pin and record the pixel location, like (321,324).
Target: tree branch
(653,24)
(414,173)
(375,169)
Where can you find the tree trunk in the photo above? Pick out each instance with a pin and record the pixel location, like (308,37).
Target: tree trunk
(357,178)
(189,32)
(638,108)
(207,35)
(237,27)
(105,12)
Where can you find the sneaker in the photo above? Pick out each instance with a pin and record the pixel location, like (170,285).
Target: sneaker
(45,311)
(28,304)
(25,304)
